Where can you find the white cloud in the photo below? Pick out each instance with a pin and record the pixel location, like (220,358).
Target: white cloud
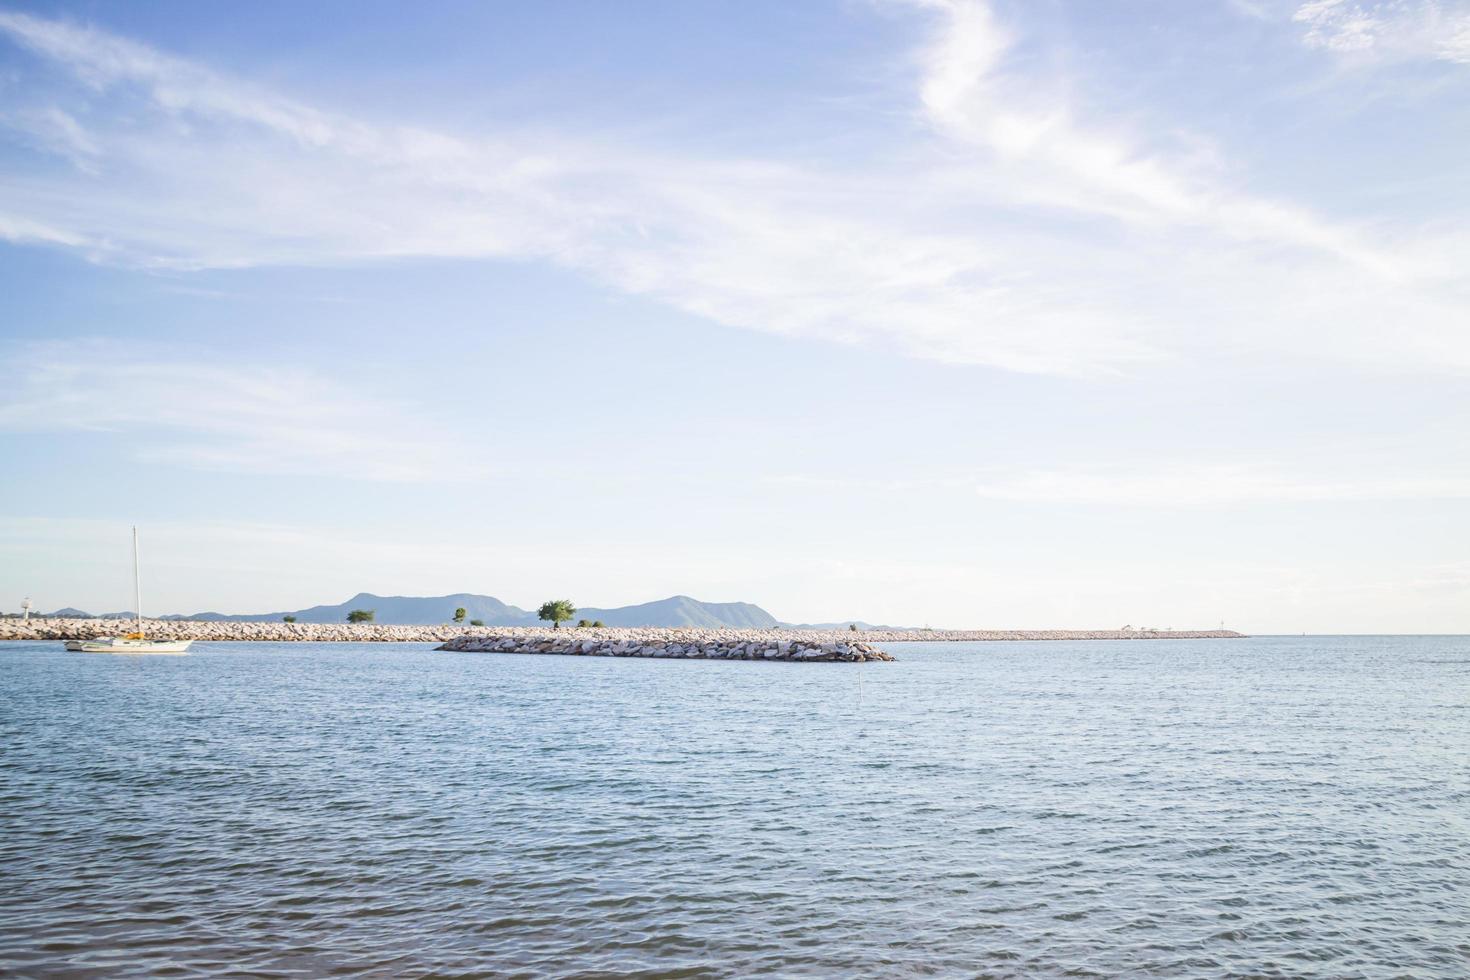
(1206,485)
(1254,9)
(980,244)
(970,98)
(24,230)
(1171,484)
(240,417)
(1388,30)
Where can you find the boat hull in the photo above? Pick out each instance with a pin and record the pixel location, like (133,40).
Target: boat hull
(121,644)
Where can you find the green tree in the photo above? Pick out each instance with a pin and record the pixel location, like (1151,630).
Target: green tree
(459,614)
(361,615)
(852,627)
(557,611)
(598,623)
(288,619)
(477,622)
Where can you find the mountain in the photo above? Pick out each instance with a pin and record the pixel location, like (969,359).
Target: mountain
(679,610)
(396,609)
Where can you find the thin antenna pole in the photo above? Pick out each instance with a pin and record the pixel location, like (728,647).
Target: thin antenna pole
(137,584)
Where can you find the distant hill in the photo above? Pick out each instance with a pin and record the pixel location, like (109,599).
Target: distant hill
(679,610)
(396,609)
(70,613)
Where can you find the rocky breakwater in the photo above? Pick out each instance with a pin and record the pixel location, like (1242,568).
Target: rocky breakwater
(687,644)
(783,640)
(974,636)
(183,629)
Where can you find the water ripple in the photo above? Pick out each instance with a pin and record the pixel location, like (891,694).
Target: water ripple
(1266,808)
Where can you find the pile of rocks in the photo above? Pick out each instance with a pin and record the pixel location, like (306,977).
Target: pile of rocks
(179,629)
(728,639)
(693,644)
(958,636)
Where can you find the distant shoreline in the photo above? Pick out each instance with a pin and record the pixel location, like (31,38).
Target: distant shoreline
(81,629)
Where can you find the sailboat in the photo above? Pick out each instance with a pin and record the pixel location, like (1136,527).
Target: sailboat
(136,641)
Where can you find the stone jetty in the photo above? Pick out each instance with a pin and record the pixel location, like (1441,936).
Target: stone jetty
(690,644)
(183,629)
(959,636)
(737,644)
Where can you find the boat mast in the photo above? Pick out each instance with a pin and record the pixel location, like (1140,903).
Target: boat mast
(137,586)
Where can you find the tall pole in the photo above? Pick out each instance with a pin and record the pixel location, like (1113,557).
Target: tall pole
(137,585)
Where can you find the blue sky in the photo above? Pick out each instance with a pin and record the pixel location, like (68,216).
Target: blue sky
(990,314)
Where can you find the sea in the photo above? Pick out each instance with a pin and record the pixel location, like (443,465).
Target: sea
(1261,807)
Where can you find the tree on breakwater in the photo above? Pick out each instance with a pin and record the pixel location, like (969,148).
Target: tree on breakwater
(288,619)
(459,614)
(477,622)
(557,611)
(361,616)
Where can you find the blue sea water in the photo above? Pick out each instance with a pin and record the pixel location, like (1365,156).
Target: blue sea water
(1292,807)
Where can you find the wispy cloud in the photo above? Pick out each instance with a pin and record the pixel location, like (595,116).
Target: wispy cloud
(257,418)
(970,97)
(1177,484)
(1021,231)
(25,231)
(1206,485)
(1388,30)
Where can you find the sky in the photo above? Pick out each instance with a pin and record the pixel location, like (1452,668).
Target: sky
(967,313)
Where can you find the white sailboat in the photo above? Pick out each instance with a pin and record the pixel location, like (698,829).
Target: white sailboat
(136,641)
